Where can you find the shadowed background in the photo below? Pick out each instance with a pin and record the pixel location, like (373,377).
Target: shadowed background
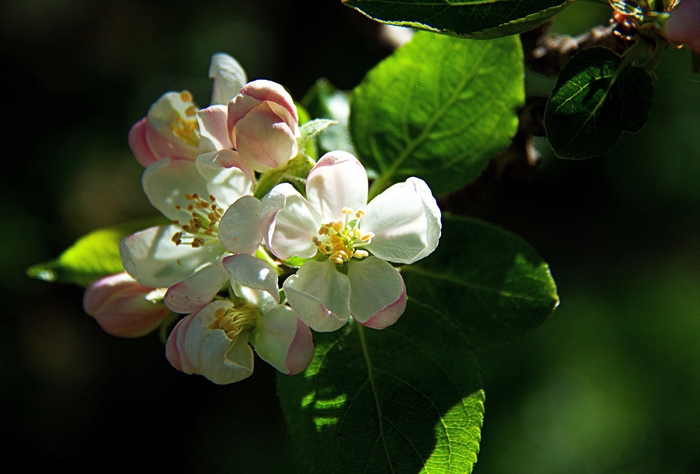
(609,384)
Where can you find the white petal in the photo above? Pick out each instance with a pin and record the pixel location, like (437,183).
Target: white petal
(195,291)
(283,341)
(295,223)
(320,295)
(378,294)
(226,177)
(166,182)
(252,273)
(405,220)
(338,180)
(152,259)
(229,76)
(239,228)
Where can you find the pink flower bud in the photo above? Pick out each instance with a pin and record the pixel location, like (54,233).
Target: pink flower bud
(683,24)
(122,306)
(262,123)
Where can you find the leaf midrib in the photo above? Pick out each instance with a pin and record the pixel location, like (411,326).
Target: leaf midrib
(410,147)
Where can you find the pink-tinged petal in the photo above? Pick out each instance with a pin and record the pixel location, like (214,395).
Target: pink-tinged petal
(196,291)
(405,221)
(122,306)
(225,176)
(377,292)
(175,346)
(238,108)
(320,295)
(375,285)
(263,139)
(213,131)
(239,228)
(683,24)
(228,75)
(283,341)
(209,352)
(137,142)
(293,223)
(388,315)
(151,257)
(252,273)
(173,129)
(167,181)
(338,180)
(255,92)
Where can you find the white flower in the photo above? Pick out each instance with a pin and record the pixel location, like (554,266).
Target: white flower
(171,128)
(214,341)
(351,240)
(194,196)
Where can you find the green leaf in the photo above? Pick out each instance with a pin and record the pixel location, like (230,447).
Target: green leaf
(439,108)
(92,256)
(312,129)
(324,100)
(488,282)
(597,97)
(408,398)
(306,146)
(480,19)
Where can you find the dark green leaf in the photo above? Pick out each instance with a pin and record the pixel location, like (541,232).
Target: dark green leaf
(489,282)
(438,108)
(469,18)
(91,257)
(595,99)
(398,400)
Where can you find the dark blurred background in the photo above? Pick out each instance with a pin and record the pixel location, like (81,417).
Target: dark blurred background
(610,384)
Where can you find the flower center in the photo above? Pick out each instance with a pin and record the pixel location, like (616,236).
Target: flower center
(186,128)
(235,320)
(203,221)
(342,240)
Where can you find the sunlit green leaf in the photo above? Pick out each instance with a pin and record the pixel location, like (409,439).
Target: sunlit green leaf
(404,399)
(470,18)
(595,99)
(91,257)
(312,129)
(487,281)
(438,108)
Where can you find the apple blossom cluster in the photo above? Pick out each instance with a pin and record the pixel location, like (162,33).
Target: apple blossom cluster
(219,262)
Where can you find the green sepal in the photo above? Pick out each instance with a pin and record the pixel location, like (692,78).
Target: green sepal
(294,173)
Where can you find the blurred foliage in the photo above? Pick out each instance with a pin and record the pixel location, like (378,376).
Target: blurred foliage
(609,384)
